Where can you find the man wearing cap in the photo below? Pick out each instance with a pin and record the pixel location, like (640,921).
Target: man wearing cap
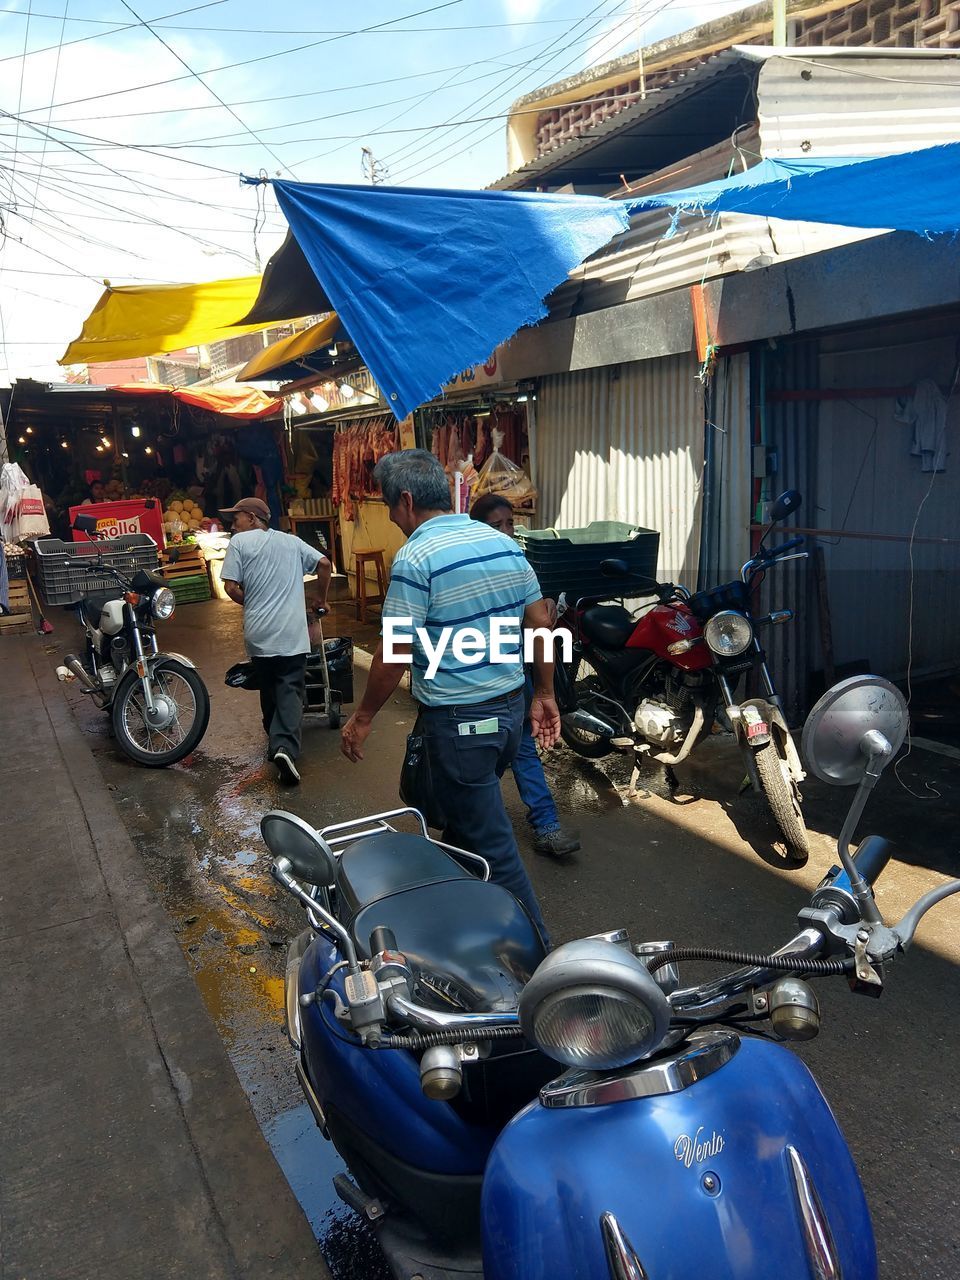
(263,570)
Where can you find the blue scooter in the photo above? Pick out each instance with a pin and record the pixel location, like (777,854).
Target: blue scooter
(514,1115)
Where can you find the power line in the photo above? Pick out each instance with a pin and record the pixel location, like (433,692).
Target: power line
(210,90)
(411,150)
(429,169)
(248,62)
(99,35)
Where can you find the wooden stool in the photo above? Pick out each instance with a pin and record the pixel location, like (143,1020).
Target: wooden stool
(360,560)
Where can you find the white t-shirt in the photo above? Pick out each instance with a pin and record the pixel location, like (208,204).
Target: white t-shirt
(270,566)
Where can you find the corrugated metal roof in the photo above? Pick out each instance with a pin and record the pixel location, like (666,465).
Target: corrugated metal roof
(812,105)
(702,106)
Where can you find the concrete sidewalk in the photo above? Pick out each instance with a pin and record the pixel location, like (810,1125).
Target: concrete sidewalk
(127,1146)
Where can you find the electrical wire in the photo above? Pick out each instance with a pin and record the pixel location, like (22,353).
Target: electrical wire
(53,90)
(209,89)
(99,35)
(629,20)
(248,62)
(440,156)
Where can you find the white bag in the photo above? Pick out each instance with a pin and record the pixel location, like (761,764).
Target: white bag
(22,513)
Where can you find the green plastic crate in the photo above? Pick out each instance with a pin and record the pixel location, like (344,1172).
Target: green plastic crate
(190,589)
(568,560)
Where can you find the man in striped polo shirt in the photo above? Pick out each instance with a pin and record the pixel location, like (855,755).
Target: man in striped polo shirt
(463,592)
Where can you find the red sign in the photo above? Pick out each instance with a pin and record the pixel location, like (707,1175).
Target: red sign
(135,515)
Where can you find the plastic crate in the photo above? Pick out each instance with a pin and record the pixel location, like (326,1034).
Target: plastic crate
(190,589)
(61,581)
(16,567)
(568,560)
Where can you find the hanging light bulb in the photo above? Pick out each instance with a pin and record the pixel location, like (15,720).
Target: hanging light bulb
(148,451)
(125,455)
(99,448)
(29,431)
(22,440)
(64,444)
(105,440)
(347,391)
(320,403)
(135,432)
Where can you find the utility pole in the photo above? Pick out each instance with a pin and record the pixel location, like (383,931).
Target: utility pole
(374,171)
(642,74)
(780,24)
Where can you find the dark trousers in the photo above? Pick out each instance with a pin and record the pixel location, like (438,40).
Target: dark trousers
(281,701)
(466,772)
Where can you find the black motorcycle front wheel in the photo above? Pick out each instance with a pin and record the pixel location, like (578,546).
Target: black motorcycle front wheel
(782,796)
(181,729)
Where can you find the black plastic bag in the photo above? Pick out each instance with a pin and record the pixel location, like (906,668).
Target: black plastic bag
(242,676)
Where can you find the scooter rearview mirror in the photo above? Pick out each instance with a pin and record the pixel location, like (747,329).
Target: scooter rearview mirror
(840,737)
(310,857)
(787,503)
(850,736)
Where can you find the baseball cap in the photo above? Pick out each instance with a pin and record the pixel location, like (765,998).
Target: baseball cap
(255,506)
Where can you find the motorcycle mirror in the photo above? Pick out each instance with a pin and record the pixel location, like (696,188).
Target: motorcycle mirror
(310,857)
(840,737)
(614,568)
(85,524)
(852,733)
(786,504)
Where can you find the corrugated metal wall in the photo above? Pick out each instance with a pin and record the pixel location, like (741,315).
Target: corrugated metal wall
(727,487)
(790,428)
(626,443)
(869,482)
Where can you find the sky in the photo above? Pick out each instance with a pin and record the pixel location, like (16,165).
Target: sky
(125,126)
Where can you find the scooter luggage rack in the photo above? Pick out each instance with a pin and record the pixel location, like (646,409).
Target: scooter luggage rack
(349,833)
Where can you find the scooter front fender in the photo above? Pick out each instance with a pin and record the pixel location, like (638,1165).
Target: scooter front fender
(700,1182)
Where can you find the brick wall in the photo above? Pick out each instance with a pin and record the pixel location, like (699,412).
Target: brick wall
(885,24)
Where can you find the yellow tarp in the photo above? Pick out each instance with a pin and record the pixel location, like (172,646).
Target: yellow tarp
(298,344)
(152,319)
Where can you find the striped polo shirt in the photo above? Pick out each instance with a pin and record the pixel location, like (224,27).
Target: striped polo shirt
(457,572)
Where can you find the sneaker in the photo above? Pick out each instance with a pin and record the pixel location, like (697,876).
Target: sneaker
(286,768)
(556,842)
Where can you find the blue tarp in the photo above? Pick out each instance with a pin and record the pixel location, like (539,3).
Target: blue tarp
(430,282)
(914,191)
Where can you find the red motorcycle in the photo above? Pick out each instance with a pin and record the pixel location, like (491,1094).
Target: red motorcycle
(655,685)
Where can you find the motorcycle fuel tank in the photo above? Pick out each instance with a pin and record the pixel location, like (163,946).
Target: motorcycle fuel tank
(667,624)
(743,1175)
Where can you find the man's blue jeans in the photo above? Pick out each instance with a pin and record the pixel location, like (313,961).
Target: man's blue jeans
(466,773)
(528,775)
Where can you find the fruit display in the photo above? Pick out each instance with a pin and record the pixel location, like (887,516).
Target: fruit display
(182,516)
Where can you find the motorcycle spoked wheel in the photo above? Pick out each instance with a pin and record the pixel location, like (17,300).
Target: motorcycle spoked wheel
(157,748)
(586,684)
(783,797)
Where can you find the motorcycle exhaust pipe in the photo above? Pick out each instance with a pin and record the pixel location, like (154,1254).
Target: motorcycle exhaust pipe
(76,667)
(581,719)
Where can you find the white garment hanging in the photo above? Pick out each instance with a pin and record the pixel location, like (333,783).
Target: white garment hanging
(926,410)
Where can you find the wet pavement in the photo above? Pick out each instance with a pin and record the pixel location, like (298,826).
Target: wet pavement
(699,868)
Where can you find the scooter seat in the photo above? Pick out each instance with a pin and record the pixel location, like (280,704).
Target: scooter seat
(470,944)
(383,864)
(609,625)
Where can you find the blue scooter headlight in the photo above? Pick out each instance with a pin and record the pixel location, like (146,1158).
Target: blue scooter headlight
(592,1004)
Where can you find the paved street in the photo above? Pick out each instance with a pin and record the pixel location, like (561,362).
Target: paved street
(696,870)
